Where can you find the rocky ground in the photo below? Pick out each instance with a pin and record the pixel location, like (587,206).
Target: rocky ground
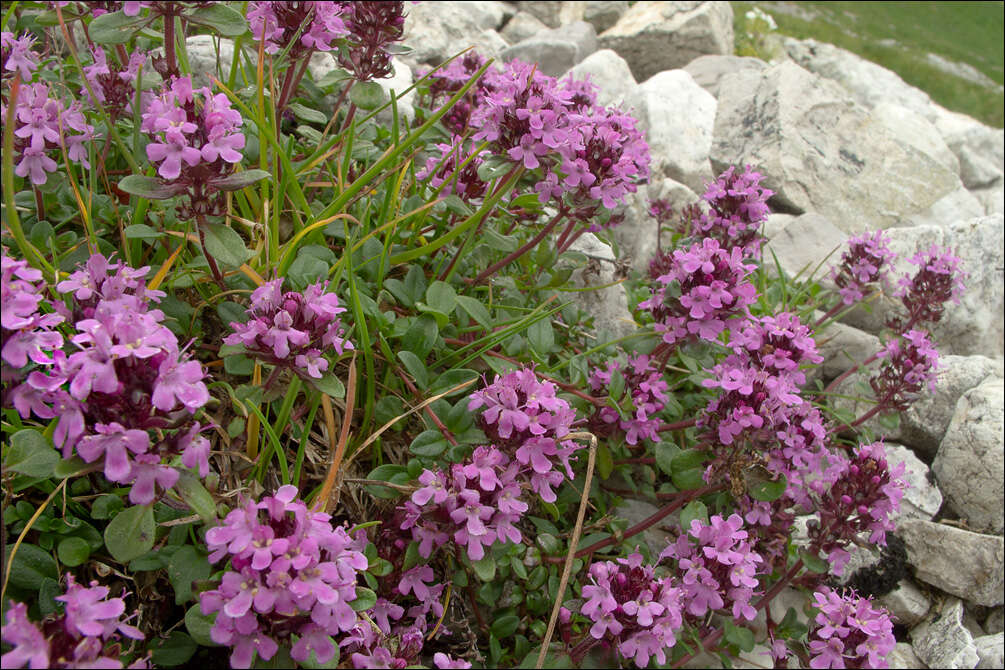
(847,146)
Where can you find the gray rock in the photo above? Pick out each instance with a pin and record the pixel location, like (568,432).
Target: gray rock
(776,223)
(915,130)
(924,423)
(609,305)
(974,143)
(843,347)
(870,84)
(635,511)
(677,117)
(603,14)
(202,58)
(555,51)
(438,30)
(708,71)
(658,36)
(489,43)
(903,656)
(992,199)
(610,72)
(807,247)
(555,14)
(970,465)
(995,623)
(942,641)
(976,170)
(819,151)
(991,650)
(955,206)
(974,326)
(907,603)
(522,26)
(922,499)
(637,234)
(965,564)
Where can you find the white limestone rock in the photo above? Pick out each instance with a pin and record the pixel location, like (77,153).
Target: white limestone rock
(554,14)
(637,234)
(942,641)
(903,656)
(555,51)
(966,564)
(915,130)
(610,72)
(609,305)
(970,464)
(991,650)
(810,245)
(708,71)
(907,603)
(522,26)
(677,117)
(438,30)
(603,14)
(658,36)
(922,499)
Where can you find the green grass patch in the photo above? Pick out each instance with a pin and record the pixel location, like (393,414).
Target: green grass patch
(900,35)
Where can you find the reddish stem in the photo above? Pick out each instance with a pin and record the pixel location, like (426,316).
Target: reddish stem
(678,425)
(447,435)
(495,267)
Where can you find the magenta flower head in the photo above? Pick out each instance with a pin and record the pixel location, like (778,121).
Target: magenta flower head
(27,332)
(849,632)
(738,207)
(291,574)
(278,22)
(16,55)
(125,396)
(937,281)
(633,610)
(863,264)
(642,396)
(292,329)
(704,289)
(374,28)
(525,418)
(113,85)
(86,635)
(455,170)
(910,363)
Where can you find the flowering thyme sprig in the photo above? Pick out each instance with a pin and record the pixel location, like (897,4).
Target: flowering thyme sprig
(849,632)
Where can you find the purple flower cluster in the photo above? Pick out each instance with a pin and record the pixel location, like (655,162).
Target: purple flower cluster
(644,395)
(778,344)
(455,172)
(738,208)
(705,287)
(849,632)
(27,332)
(938,280)
(291,581)
(636,612)
(910,363)
(525,419)
(862,500)
(85,635)
(292,329)
(196,135)
(43,123)
(278,22)
(717,567)
(476,504)
(374,27)
(862,265)
(128,378)
(113,86)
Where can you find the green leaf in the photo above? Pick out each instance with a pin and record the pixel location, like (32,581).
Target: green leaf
(143,186)
(69,467)
(305,113)
(365,599)
(225,245)
(73,551)
(367,95)
(239,180)
(549,543)
(741,637)
(605,462)
(47,596)
(198,626)
(421,336)
(541,336)
(476,310)
(106,506)
(30,453)
(518,568)
(767,490)
(665,452)
(195,495)
(174,651)
(131,533)
(688,480)
(415,367)
(695,509)
(452,378)
(187,565)
(485,568)
(814,563)
(687,459)
(114,28)
(441,296)
(428,443)
(141,231)
(395,474)
(224,19)
(504,627)
(31,567)
(330,384)
(411,556)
